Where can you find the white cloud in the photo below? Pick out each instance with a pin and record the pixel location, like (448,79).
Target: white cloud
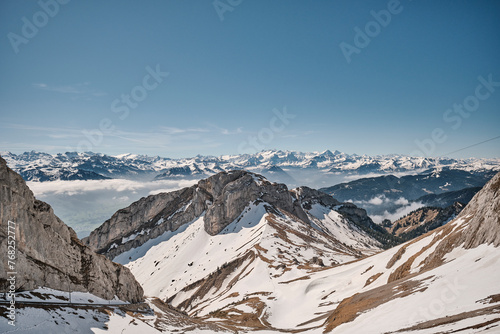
(173,130)
(401,201)
(377,200)
(396,215)
(71,188)
(381,199)
(231,132)
(122,198)
(82,88)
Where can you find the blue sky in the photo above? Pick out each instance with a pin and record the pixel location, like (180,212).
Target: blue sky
(236,67)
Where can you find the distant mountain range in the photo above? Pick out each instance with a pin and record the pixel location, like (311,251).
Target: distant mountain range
(277,165)
(434,187)
(410,187)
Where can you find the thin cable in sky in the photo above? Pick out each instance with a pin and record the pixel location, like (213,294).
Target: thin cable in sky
(464,148)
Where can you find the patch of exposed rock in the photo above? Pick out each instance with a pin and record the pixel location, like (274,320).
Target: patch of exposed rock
(483,215)
(146,219)
(246,188)
(49,254)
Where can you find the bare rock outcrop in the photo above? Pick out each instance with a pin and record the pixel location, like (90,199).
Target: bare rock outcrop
(236,195)
(483,215)
(147,219)
(48,253)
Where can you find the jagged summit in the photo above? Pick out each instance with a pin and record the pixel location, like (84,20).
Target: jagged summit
(221,199)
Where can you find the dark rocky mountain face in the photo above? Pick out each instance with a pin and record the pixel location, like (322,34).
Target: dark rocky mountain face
(49,254)
(449,198)
(174,172)
(68,174)
(483,216)
(222,199)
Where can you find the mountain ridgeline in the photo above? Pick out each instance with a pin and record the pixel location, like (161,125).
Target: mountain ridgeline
(280,166)
(221,199)
(412,187)
(423,220)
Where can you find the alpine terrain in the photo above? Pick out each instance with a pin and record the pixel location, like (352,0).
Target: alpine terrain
(244,253)
(237,253)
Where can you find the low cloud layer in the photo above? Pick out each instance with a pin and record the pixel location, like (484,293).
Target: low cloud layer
(381,200)
(400,212)
(85,205)
(380,207)
(71,188)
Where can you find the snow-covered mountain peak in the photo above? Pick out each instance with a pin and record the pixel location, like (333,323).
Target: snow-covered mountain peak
(37,166)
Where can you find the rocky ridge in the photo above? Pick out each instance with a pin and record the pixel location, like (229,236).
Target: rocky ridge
(239,277)
(221,198)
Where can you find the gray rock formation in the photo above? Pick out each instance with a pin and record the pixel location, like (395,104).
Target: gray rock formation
(221,198)
(246,188)
(48,253)
(483,216)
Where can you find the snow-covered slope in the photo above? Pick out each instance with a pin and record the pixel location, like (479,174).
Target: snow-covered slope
(263,272)
(222,198)
(270,270)
(274,245)
(44,311)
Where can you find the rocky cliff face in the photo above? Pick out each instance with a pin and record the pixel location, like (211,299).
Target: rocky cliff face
(49,254)
(221,198)
(146,219)
(232,197)
(483,215)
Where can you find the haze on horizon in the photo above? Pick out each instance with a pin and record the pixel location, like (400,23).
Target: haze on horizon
(178,79)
